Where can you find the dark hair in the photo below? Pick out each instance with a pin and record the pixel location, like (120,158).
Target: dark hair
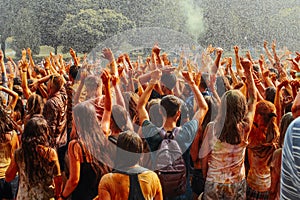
(73,72)
(6,123)
(130,148)
(270,94)
(34,105)
(171,104)
(36,132)
(284,124)
(119,118)
(232,112)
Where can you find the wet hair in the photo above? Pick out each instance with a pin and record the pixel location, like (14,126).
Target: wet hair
(130,148)
(284,124)
(270,94)
(184,114)
(232,112)
(6,124)
(119,118)
(36,132)
(268,112)
(90,134)
(171,104)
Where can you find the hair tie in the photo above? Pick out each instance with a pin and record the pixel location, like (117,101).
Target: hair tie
(272,115)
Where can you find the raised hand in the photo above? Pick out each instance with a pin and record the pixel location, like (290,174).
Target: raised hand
(188,76)
(247,64)
(107,54)
(219,51)
(29,51)
(156,49)
(236,49)
(105,76)
(72,53)
(23,54)
(265,44)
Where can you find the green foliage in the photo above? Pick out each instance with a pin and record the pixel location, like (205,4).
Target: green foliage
(86,29)
(27,34)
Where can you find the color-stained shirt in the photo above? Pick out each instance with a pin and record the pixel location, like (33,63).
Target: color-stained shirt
(290,167)
(259,155)
(55,113)
(117,185)
(226,161)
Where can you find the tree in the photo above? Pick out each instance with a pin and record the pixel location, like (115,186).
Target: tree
(87,28)
(27,33)
(5,22)
(50,15)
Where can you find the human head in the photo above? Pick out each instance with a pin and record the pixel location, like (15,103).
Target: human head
(73,72)
(270,94)
(284,124)
(55,84)
(130,148)
(171,104)
(265,116)
(232,111)
(93,86)
(34,104)
(153,108)
(168,82)
(119,119)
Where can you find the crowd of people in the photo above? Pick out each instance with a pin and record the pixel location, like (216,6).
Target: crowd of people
(152,127)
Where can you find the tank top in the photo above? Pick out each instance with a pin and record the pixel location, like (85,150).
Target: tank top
(87,188)
(5,155)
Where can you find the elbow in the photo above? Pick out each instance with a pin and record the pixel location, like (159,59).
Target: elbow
(74,182)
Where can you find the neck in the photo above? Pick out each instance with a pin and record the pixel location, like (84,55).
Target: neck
(169,124)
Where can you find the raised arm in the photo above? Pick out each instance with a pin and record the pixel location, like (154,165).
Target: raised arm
(24,67)
(252,97)
(239,67)
(105,122)
(141,106)
(269,55)
(3,70)
(202,105)
(14,96)
(216,65)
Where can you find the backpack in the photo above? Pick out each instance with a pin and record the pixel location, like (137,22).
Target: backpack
(135,191)
(170,166)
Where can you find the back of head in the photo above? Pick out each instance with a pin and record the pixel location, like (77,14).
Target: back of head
(92,82)
(232,112)
(130,148)
(169,80)
(268,112)
(171,104)
(270,94)
(6,123)
(57,83)
(73,72)
(119,117)
(284,124)
(34,104)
